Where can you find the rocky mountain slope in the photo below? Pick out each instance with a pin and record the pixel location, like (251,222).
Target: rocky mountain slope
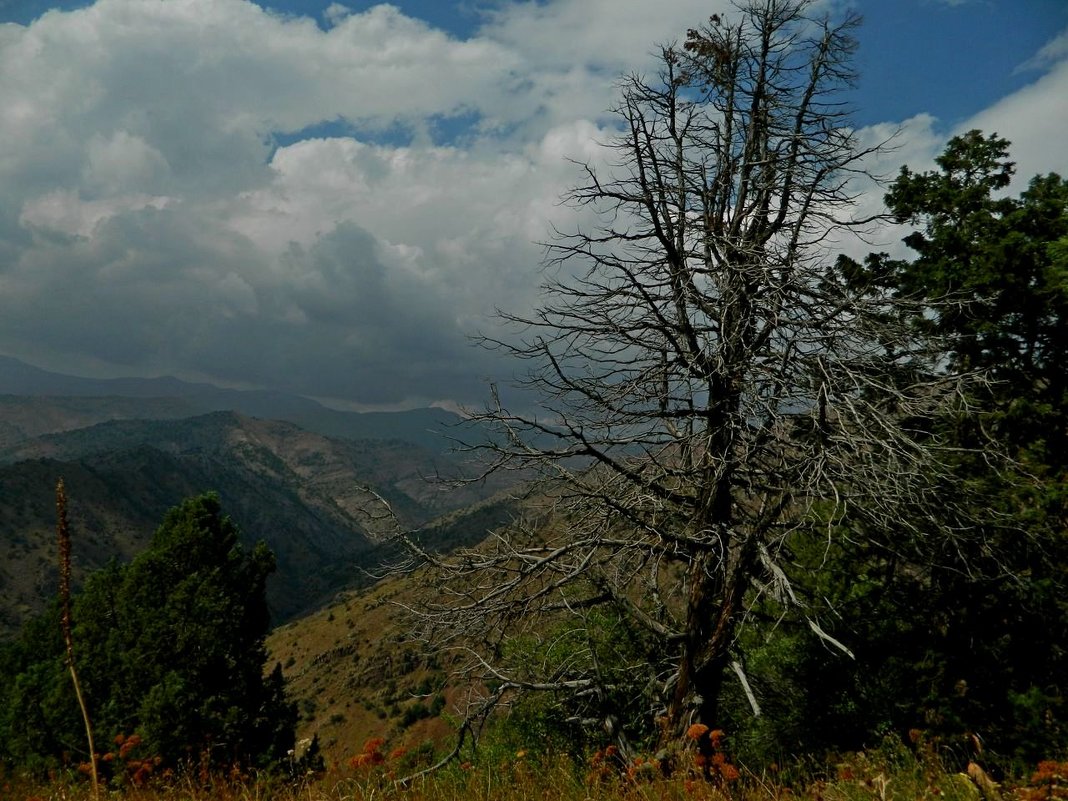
(306,495)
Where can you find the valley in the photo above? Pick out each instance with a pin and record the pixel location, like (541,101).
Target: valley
(127,459)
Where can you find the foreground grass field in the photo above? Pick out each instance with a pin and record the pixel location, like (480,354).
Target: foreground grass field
(893,773)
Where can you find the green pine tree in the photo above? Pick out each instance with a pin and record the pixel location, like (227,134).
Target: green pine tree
(973,647)
(170,647)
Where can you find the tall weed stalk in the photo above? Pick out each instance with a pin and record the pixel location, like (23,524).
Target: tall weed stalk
(63,533)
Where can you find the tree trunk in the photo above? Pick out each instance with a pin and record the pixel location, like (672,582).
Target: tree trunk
(716,597)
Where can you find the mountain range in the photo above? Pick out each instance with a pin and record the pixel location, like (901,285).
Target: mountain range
(309,481)
(432,428)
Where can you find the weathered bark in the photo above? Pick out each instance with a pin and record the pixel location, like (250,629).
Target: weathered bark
(711,619)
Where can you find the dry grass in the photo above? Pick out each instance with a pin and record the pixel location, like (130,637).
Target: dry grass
(354,674)
(883,776)
(349,659)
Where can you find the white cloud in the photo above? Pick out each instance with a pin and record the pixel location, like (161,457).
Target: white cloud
(64,212)
(1050,53)
(335,13)
(1034,119)
(572,51)
(145,220)
(610,35)
(148,222)
(122,161)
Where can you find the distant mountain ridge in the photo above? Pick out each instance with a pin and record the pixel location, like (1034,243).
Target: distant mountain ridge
(403,472)
(25,417)
(431,428)
(302,477)
(308,496)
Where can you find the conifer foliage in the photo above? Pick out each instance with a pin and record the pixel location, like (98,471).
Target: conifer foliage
(169,647)
(987,643)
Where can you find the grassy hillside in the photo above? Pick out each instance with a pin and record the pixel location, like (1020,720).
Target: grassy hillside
(354,669)
(381,708)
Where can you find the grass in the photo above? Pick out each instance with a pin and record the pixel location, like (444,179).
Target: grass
(893,773)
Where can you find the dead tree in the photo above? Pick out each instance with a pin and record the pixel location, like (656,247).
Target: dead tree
(713,388)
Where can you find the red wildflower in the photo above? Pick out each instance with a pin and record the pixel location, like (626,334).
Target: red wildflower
(372,745)
(131,743)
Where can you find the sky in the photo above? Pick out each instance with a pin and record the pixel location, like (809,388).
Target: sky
(331,199)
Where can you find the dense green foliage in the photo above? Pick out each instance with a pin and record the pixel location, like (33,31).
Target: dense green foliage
(994,268)
(169,647)
(973,646)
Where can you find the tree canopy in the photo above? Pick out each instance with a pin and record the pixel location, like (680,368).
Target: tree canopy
(169,647)
(993,272)
(977,645)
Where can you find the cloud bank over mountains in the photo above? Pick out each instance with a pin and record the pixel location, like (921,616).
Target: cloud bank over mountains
(207,189)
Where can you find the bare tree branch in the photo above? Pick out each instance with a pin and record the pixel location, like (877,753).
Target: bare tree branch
(714,389)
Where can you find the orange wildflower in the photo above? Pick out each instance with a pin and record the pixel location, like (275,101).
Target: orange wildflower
(130,744)
(372,745)
(697,731)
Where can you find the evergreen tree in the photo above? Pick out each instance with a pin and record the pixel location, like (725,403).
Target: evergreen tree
(995,271)
(972,648)
(170,647)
